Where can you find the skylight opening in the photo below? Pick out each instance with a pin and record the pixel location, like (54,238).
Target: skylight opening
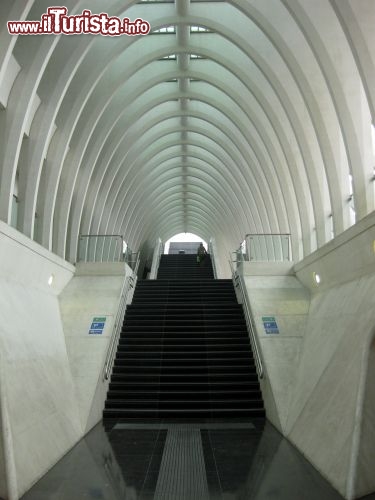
(332,230)
(166,30)
(184,238)
(170,57)
(199,29)
(352,213)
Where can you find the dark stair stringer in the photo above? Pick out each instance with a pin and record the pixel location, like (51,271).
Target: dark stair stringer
(184,349)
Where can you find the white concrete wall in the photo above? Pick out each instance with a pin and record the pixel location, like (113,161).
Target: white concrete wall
(348,257)
(334,379)
(93,292)
(319,388)
(326,411)
(273,291)
(51,370)
(365,443)
(40,418)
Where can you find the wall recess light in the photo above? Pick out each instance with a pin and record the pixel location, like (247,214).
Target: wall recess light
(317,278)
(50,279)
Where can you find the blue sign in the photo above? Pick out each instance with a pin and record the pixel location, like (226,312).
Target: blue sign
(97,326)
(270,325)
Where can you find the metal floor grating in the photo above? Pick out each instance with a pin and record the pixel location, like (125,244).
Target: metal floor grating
(182,473)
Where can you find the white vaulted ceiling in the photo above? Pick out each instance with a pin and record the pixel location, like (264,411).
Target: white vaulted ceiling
(255,125)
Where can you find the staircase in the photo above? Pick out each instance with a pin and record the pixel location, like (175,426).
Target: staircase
(184,349)
(183,267)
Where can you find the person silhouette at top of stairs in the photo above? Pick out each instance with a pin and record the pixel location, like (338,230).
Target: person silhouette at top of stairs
(201,254)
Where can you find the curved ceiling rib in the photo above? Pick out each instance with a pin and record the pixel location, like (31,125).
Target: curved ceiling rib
(361,41)
(230,117)
(340,89)
(140,171)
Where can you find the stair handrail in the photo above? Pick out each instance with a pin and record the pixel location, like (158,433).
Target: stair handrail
(129,283)
(159,248)
(211,252)
(238,282)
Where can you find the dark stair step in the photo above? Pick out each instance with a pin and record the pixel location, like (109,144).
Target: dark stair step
(124,353)
(184,378)
(187,403)
(223,317)
(160,320)
(199,306)
(182,387)
(183,413)
(194,343)
(190,362)
(180,332)
(181,348)
(190,331)
(247,394)
(191,323)
(192,370)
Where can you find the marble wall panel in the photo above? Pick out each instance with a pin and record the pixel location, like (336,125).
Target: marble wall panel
(86,297)
(326,416)
(39,408)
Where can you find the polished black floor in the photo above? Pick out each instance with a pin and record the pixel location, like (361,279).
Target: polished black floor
(191,461)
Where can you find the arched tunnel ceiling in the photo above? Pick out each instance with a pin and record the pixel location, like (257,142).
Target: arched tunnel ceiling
(245,116)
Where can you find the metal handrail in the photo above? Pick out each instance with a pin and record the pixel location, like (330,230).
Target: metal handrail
(132,262)
(210,248)
(156,260)
(237,280)
(129,283)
